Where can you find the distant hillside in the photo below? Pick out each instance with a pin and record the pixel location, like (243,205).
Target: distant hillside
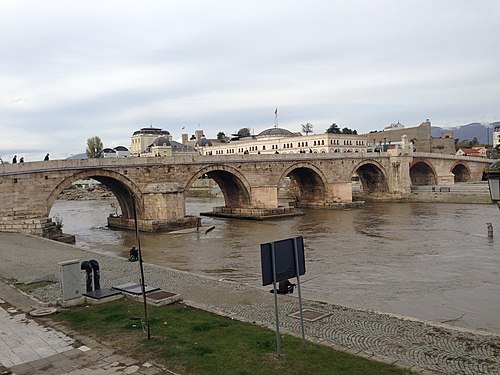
(469,131)
(77,157)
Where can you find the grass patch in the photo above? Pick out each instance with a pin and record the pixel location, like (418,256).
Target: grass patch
(27,288)
(191,341)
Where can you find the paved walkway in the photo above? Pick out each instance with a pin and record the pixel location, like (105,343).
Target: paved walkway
(408,343)
(28,347)
(22,340)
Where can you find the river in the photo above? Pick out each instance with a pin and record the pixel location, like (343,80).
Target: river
(430,261)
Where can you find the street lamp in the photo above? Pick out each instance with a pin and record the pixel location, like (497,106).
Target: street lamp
(493,176)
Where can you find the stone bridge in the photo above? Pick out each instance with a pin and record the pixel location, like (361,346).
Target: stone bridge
(249,183)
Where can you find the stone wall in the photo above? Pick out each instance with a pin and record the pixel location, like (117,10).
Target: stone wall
(420,136)
(418,133)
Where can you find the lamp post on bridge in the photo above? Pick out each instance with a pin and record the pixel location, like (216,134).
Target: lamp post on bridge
(493,176)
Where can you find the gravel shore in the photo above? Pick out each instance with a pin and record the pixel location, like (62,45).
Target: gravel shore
(406,342)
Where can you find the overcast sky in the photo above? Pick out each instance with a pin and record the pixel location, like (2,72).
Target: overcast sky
(70,70)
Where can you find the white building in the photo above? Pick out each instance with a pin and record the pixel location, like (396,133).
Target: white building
(117,152)
(144,138)
(283,141)
(150,142)
(496,136)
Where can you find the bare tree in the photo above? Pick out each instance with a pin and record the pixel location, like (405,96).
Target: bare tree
(307,128)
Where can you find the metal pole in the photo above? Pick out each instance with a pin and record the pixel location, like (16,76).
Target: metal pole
(278,344)
(490,230)
(143,287)
(299,290)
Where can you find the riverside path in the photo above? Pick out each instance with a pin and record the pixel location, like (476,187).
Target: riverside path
(409,343)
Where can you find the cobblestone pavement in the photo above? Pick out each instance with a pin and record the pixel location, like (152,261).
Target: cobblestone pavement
(406,342)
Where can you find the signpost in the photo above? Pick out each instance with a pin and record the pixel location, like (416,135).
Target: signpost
(143,285)
(282,260)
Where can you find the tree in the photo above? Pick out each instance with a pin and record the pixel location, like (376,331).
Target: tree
(346,130)
(465,143)
(475,142)
(333,129)
(221,136)
(94,147)
(243,132)
(307,128)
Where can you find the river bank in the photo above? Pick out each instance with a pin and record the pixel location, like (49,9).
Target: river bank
(376,257)
(407,342)
(459,193)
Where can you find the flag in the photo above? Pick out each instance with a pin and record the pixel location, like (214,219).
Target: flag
(183,128)
(276,111)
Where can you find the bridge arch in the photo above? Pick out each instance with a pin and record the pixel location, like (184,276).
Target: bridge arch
(311,182)
(122,188)
(422,173)
(460,172)
(372,177)
(234,186)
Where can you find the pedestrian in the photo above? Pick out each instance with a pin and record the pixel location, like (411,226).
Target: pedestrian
(285,287)
(134,254)
(21,160)
(46,157)
(14,159)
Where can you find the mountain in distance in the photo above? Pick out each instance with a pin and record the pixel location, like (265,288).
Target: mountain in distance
(77,156)
(483,132)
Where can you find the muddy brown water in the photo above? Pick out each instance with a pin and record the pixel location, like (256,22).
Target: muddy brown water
(430,261)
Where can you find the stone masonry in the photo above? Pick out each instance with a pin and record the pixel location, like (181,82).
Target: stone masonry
(249,183)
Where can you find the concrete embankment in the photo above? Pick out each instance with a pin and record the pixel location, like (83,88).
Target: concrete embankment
(406,342)
(471,193)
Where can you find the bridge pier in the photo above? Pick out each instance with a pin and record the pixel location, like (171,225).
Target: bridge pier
(445,179)
(337,195)
(264,196)
(153,225)
(398,176)
(160,208)
(43,227)
(252,213)
(263,205)
(339,192)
